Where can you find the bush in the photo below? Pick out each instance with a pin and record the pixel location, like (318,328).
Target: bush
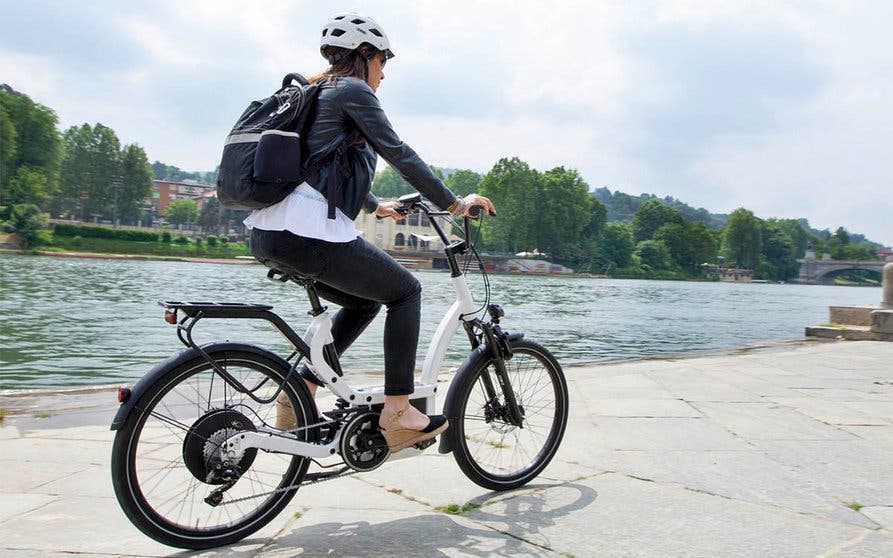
(181,240)
(224,241)
(77,241)
(212,241)
(64,229)
(166,236)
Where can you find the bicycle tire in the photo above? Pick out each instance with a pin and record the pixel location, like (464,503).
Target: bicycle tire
(485,446)
(151,455)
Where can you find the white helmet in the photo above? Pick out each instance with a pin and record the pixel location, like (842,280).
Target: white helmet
(350,30)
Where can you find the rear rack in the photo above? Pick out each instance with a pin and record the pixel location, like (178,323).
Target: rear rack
(217,309)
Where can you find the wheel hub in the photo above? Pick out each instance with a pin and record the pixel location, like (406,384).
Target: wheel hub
(201,448)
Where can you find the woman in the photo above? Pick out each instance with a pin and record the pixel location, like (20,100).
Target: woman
(311,232)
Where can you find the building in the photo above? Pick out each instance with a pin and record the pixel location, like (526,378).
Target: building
(413,234)
(166,191)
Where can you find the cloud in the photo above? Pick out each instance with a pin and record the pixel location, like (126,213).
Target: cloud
(780,108)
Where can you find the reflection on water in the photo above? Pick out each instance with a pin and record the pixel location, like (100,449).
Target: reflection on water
(66,321)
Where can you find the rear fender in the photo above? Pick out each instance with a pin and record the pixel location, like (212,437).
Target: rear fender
(163,368)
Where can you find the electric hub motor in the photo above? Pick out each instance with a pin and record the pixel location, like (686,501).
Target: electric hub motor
(201,448)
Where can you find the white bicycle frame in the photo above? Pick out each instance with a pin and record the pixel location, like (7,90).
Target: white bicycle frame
(317,336)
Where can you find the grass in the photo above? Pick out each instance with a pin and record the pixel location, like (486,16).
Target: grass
(855,506)
(498,445)
(456,509)
(2,415)
(43,414)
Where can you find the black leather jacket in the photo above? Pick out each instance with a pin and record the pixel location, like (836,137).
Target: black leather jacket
(344,107)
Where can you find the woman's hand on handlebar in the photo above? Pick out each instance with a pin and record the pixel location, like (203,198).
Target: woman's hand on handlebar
(473,201)
(389,209)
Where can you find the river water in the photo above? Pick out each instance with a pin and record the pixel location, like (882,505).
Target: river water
(72,322)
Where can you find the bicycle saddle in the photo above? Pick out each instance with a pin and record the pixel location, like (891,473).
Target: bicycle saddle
(284,277)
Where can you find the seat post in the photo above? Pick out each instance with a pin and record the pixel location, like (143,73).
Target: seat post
(316,307)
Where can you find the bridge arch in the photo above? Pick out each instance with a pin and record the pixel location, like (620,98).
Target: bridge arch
(827,275)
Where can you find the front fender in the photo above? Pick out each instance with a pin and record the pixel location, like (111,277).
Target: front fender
(450,404)
(163,368)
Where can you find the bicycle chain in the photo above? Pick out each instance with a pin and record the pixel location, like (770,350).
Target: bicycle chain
(287,488)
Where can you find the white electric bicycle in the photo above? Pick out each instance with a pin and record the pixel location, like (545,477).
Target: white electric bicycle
(198,462)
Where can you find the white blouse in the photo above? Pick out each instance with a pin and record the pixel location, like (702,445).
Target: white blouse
(304,212)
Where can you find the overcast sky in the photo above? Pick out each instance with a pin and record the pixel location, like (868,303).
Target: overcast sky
(785,108)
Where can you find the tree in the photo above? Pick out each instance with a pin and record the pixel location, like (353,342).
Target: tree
(211,215)
(136,183)
(28,186)
(778,260)
(29,139)
(389,184)
(650,216)
(91,165)
(463,182)
(616,245)
(182,211)
(741,239)
(514,188)
(653,253)
(24,221)
(842,235)
(562,213)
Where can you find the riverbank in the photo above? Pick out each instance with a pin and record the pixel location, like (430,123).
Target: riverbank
(137,257)
(783,451)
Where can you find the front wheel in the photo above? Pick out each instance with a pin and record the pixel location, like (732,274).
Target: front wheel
(166,470)
(490,450)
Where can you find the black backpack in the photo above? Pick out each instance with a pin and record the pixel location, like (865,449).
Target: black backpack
(262,157)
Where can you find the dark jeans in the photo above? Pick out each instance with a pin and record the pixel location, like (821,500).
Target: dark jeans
(360,278)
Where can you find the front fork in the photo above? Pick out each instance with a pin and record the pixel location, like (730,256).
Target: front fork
(498,345)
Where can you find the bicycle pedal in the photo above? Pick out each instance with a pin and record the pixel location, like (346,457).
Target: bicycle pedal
(424,444)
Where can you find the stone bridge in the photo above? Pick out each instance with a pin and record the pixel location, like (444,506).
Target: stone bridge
(823,272)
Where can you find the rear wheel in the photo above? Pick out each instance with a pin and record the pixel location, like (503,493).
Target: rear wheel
(166,467)
(490,450)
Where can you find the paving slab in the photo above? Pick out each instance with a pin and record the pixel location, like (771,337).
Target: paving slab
(12,505)
(642,408)
(426,535)
(768,421)
(663,434)
(882,515)
(630,517)
(877,544)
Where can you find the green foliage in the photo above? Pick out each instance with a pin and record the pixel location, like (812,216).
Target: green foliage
(116,246)
(463,182)
(616,245)
(211,240)
(28,186)
(389,184)
(653,253)
(563,212)
(182,211)
(29,139)
(181,240)
(650,216)
(166,236)
(622,207)
(25,221)
(211,215)
(742,239)
(514,188)
(136,183)
(92,163)
(160,171)
(223,241)
(66,230)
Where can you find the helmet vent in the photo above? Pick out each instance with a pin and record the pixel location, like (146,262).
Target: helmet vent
(376,32)
(357,21)
(324,31)
(337,32)
(340,17)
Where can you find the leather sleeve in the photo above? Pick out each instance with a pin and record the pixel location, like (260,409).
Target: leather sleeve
(362,106)
(371,203)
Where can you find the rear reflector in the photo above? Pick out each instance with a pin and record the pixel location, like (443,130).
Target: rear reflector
(123,394)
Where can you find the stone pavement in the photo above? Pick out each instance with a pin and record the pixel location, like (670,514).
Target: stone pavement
(784,451)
